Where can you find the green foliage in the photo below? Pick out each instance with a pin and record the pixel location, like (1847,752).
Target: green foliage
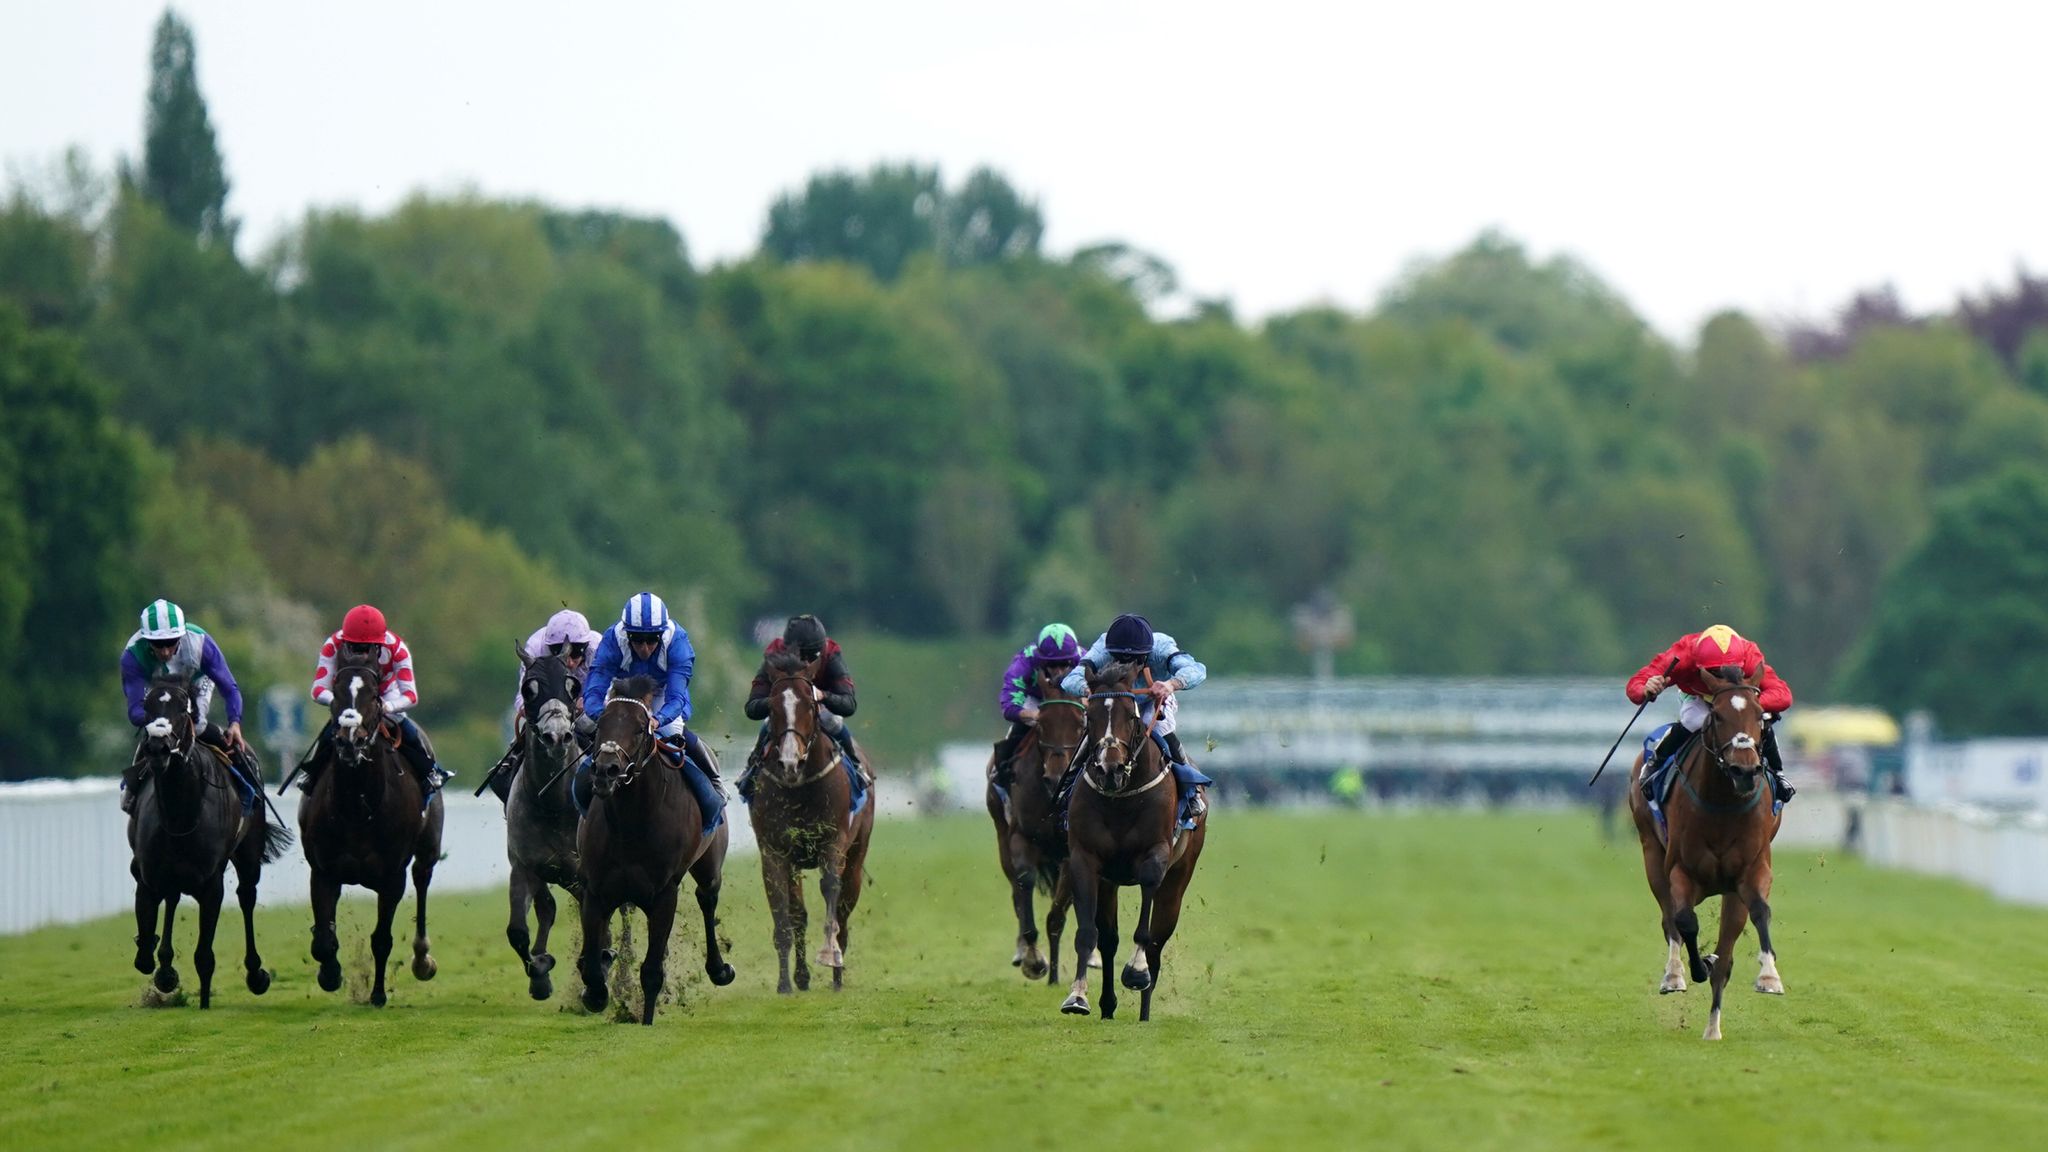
(182,171)
(1961,628)
(886,217)
(68,498)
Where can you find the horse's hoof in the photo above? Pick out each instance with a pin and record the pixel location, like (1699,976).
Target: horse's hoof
(166,980)
(1770,986)
(803,979)
(205,998)
(1136,979)
(378,998)
(594,999)
(1095,959)
(540,987)
(1076,1005)
(784,988)
(540,965)
(330,977)
(1033,969)
(423,967)
(1669,986)
(831,958)
(721,975)
(145,963)
(259,980)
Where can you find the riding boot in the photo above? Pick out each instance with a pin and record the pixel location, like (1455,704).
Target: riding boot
(745,785)
(1781,788)
(499,778)
(251,772)
(1006,751)
(131,781)
(842,735)
(1674,738)
(703,783)
(413,745)
(1198,801)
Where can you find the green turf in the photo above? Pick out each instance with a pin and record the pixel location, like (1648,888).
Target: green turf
(1451,981)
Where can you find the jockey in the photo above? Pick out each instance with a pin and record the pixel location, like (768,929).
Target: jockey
(805,635)
(646,642)
(1717,647)
(364,639)
(1130,637)
(167,645)
(567,634)
(1055,652)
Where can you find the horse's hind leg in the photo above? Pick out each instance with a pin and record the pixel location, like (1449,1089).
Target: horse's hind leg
(166,975)
(1165,918)
(209,899)
(146,904)
(1733,918)
(830,879)
(849,897)
(425,855)
(389,893)
(1754,896)
(518,897)
(709,874)
(248,871)
(1686,920)
(799,931)
(661,920)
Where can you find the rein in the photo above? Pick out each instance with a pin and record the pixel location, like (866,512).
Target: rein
(803,753)
(644,745)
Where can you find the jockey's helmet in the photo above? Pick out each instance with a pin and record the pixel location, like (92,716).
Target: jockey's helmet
(645,613)
(1057,644)
(363,625)
(806,634)
(163,620)
(1129,637)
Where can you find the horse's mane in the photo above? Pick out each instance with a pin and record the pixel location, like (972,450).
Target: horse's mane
(635,687)
(786,661)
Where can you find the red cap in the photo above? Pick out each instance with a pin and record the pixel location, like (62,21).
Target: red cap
(1721,645)
(363,625)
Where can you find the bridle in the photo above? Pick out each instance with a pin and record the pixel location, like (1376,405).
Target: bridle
(1716,752)
(807,697)
(156,760)
(355,749)
(643,751)
(1115,782)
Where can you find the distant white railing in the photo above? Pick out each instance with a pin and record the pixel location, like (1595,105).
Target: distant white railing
(64,852)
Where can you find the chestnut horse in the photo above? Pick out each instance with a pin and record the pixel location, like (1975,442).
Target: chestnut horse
(364,822)
(1030,845)
(1720,825)
(540,817)
(643,831)
(187,826)
(1121,831)
(802,811)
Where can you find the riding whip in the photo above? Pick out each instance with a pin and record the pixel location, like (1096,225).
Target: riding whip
(1668,668)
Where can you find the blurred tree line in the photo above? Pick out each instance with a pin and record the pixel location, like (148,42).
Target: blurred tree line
(906,416)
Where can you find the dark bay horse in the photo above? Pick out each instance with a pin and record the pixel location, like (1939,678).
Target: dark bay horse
(1030,845)
(802,811)
(1718,841)
(643,831)
(540,818)
(1121,831)
(364,822)
(186,827)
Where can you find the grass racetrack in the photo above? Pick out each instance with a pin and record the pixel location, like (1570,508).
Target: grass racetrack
(1340,980)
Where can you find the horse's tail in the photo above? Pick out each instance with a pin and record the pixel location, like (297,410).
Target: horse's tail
(1048,873)
(276,838)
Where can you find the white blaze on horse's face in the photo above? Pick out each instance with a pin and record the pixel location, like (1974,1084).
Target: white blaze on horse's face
(788,750)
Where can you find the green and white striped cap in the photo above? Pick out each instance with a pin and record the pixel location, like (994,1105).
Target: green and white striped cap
(163,620)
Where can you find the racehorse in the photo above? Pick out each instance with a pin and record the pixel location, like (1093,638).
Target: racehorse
(1718,840)
(802,811)
(186,826)
(1121,831)
(363,822)
(1030,845)
(643,831)
(540,818)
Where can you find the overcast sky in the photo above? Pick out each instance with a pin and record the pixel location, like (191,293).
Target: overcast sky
(1771,157)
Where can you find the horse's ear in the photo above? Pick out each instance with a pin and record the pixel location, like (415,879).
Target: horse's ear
(519,646)
(1093,677)
(1755,679)
(1718,678)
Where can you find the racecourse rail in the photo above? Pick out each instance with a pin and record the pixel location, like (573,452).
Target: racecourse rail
(64,843)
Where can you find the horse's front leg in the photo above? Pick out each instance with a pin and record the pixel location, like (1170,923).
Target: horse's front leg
(1137,974)
(1755,892)
(146,904)
(661,920)
(210,897)
(1733,919)
(1082,871)
(593,960)
(166,975)
(1684,895)
(539,983)
(518,898)
(1024,878)
(775,879)
(326,893)
(1056,924)
(389,893)
(248,871)
(709,874)
(829,868)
